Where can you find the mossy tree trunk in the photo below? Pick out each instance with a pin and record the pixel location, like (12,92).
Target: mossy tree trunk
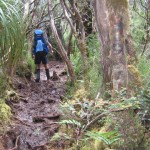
(112,17)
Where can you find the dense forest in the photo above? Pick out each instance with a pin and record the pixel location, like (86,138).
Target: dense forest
(98,95)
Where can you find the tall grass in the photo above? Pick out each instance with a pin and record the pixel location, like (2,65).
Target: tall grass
(12,36)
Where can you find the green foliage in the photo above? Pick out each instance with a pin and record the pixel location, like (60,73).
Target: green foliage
(143,98)
(140,25)
(137,29)
(71,122)
(12,36)
(94,73)
(60,136)
(126,104)
(76,116)
(108,137)
(26,67)
(30,62)
(144,69)
(125,130)
(128,125)
(3,84)
(77,62)
(5,112)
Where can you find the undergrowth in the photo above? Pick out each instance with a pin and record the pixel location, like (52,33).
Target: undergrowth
(144,69)
(94,73)
(99,124)
(122,129)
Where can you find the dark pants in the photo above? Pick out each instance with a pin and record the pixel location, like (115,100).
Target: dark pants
(40,57)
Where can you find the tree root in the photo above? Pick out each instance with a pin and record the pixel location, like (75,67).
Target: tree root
(16,144)
(41,118)
(22,122)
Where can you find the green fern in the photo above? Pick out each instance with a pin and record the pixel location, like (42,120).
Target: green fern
(71,122)
(107,137)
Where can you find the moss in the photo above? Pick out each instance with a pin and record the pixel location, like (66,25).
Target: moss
(5,112)
(80,93)
(24,70)
(11,95)
(118,3)
(134,76)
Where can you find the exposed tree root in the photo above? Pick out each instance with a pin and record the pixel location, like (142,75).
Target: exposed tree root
(16,144)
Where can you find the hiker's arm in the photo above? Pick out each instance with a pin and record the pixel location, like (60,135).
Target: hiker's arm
(47,43)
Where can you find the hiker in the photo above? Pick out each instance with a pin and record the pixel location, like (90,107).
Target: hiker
(40,49)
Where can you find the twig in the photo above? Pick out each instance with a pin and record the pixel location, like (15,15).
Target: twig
(145,18)
(68,9)
(94,120)
(16,144)
(99,116)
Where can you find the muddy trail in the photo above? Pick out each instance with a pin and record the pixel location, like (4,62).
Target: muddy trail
(37,112)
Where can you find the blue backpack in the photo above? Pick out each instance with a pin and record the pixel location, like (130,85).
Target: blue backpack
(39,42)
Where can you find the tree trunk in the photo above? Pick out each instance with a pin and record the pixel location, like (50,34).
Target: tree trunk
(102,22)
(61,48)
(112,17)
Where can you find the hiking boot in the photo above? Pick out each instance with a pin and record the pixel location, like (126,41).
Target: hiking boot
(37,75)
(47,74)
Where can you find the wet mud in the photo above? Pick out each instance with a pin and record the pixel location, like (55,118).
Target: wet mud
(37,112)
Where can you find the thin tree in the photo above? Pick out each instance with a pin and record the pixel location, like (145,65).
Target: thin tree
(59,43)
(79,33)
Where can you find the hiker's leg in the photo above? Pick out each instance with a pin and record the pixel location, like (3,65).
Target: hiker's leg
(38,66)
(38,73)
(46,66)
(45,63)
(47,71)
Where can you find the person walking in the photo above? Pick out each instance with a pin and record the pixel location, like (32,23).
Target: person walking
(40,49)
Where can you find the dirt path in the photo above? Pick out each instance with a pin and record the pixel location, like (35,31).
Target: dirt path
(37,112)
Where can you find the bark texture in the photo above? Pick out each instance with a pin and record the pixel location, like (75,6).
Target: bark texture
(112,17)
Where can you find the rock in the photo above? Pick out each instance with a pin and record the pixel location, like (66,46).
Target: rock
(57,66)
(55,76)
